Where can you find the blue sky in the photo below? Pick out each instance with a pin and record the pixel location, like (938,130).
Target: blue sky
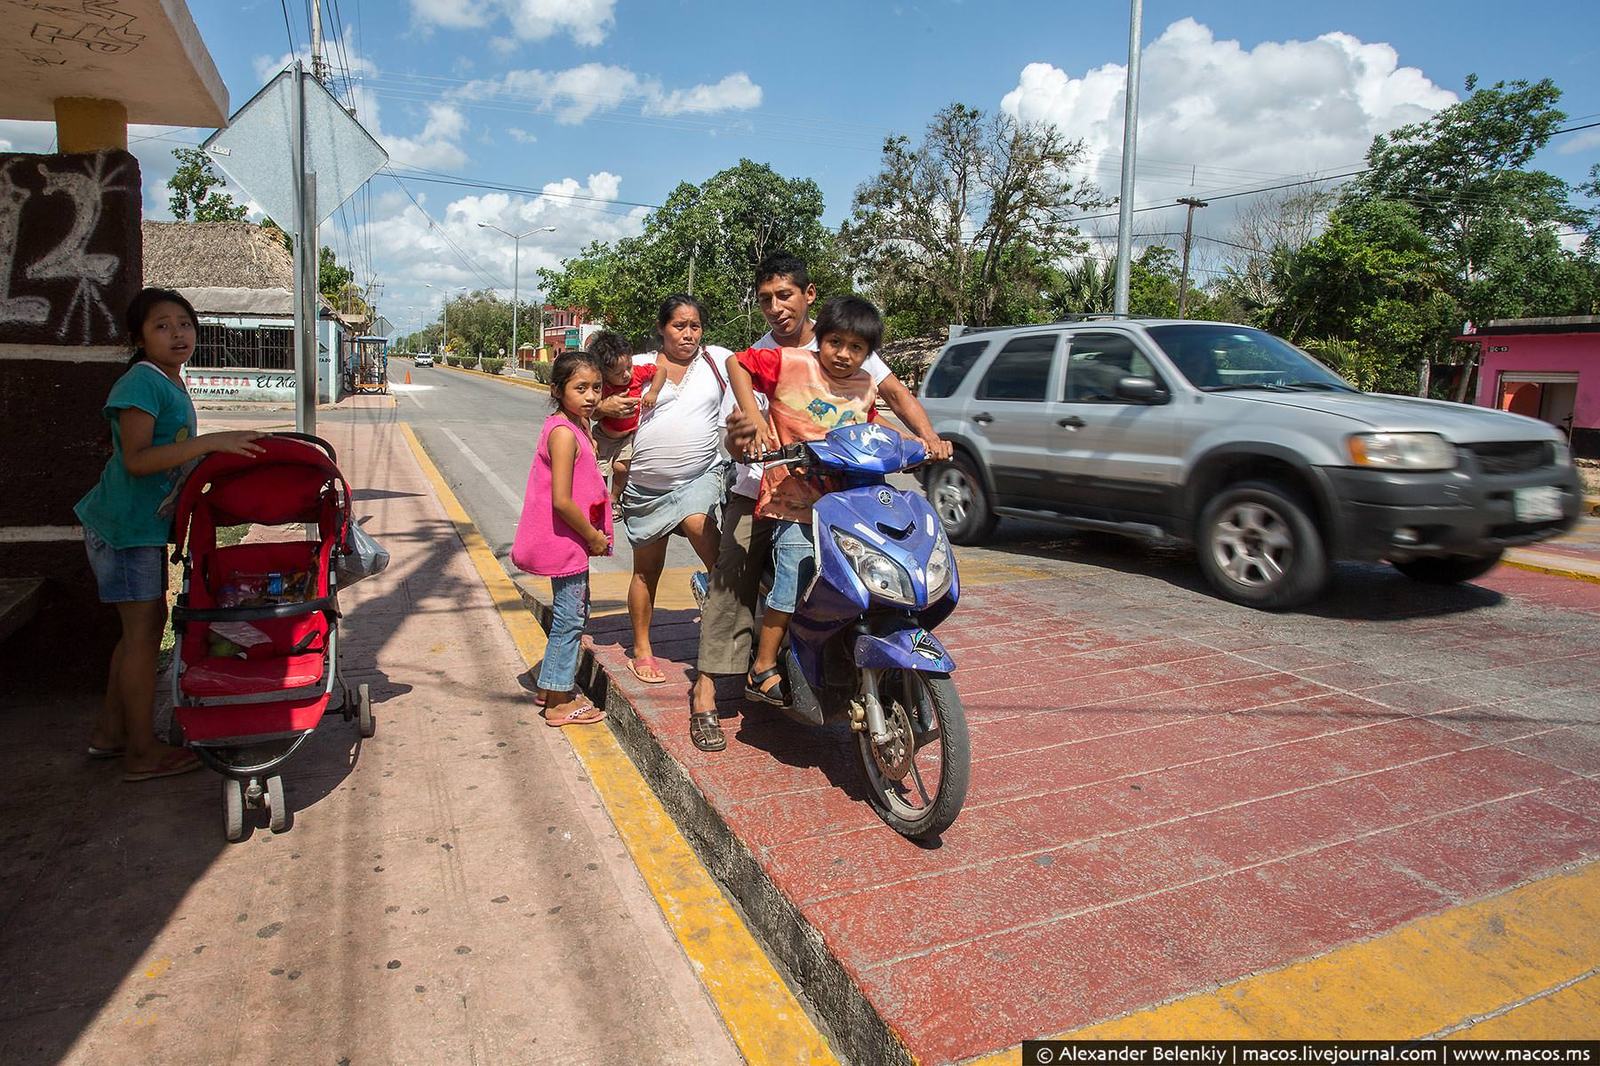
(610,103)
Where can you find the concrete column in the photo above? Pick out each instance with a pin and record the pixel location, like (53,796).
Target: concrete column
(84,124)
(62,346)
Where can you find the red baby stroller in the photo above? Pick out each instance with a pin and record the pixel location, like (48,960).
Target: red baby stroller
(257,624)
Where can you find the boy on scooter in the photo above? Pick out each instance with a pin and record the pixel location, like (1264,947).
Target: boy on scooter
(808,394)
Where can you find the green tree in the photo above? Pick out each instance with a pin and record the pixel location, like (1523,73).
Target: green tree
(1368,295)
(192,195)
(718,232)
(1492,223)
(970,219)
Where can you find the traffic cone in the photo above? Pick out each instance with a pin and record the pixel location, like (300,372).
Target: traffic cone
(408,377)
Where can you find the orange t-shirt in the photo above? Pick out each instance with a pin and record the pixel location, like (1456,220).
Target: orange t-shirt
(803,403)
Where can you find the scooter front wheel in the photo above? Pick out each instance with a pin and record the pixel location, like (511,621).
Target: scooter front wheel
(917,775)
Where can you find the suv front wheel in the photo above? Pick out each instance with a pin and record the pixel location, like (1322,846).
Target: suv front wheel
(1259,547)
(956,491)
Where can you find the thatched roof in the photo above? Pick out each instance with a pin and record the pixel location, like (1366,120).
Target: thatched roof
(232,255)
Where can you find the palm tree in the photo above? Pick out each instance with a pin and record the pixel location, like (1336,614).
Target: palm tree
(1087,287)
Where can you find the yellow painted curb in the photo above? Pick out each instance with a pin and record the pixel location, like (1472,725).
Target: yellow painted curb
(766,1021)
(498,377)
(1523,962)
(1553,571)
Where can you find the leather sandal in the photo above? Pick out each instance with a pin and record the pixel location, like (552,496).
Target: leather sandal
(757,689)
(706,731)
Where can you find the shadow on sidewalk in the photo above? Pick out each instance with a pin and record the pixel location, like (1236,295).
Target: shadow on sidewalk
(1357,591)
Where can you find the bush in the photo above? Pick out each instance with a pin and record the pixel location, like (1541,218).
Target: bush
(493,366)
(909,368)
(541,372)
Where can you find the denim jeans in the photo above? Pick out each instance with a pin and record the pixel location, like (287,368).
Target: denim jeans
(569,614)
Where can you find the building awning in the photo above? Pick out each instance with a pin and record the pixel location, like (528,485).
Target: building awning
(144,54)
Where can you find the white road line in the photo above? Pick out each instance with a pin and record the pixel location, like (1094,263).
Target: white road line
(482,467)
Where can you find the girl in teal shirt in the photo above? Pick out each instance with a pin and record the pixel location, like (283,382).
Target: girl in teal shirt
(153,434)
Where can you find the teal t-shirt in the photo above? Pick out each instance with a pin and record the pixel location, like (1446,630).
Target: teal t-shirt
(121,508)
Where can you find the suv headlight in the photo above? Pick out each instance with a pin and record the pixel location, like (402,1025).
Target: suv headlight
(1402,451)
(881,574)
(939,569)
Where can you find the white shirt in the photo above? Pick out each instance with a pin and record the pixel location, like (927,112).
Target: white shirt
(747,478)
(681,437)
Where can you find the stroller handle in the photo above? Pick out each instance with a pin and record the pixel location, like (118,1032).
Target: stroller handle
(309,439)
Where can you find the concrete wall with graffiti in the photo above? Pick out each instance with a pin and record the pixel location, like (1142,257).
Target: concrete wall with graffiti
(69,247)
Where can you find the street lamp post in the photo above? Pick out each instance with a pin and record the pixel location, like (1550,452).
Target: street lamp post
(516,269)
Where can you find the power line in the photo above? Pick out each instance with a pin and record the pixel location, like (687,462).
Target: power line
(287,29)
(444,234)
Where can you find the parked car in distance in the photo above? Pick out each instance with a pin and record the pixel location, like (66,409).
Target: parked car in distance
(424,359)
(1234,440)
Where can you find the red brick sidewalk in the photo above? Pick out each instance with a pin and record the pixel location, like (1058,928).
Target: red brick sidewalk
(1168,793)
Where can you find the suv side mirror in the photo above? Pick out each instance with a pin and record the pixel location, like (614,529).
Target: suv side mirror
(1140,390)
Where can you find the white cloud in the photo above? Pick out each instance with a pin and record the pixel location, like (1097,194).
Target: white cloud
(736,92)
(575,94)
(411,252)
(1583,142)
(521,136)
(1220,115)
(586,21)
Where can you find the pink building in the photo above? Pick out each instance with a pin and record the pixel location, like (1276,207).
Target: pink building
(1545,368)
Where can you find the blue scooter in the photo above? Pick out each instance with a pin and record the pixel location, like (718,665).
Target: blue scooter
(860,643)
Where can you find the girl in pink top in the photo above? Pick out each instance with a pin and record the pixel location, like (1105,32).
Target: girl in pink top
(566,518)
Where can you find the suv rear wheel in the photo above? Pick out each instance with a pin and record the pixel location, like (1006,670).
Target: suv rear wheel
(1448,569)
(1258,546)
(956,491)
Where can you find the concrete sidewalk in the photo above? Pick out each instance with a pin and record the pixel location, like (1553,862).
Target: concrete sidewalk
(452,891)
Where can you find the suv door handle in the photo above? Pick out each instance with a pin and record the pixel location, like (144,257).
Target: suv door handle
(1071,422)
(983,418)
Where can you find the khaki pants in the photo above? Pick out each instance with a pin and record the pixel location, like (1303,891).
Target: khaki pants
(727,625)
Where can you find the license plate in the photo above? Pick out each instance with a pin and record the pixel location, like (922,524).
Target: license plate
(1539,504)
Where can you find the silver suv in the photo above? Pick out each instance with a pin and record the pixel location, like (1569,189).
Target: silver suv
(1237,441)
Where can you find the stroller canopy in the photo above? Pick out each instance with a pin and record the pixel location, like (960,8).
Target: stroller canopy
(294,479)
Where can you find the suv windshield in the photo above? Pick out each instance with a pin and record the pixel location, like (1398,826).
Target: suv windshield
(1216,357)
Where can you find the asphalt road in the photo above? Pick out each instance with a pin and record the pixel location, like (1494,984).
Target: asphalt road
(482,436)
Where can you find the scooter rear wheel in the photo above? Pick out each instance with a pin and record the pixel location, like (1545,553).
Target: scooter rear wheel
(929,741)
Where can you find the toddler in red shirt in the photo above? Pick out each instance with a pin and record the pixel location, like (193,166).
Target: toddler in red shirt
(620,376)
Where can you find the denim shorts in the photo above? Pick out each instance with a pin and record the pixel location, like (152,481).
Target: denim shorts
(793,563)
(126,575)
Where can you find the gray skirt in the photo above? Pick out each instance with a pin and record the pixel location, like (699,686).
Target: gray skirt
(650,514)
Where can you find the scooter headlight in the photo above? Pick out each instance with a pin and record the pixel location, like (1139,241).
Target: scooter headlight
(939,569)
(882,576)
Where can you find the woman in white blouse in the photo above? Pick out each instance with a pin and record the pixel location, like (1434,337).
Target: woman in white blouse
(679,471)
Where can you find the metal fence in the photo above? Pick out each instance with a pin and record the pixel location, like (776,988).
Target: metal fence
(251,347)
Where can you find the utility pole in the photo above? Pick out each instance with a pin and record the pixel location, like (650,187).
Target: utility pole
(1130,143)
(693,251)
(319,68)
(1188,235)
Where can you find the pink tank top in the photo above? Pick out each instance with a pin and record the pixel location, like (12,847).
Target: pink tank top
(545,544)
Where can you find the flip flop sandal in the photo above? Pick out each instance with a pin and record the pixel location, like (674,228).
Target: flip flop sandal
(581,714)
(649,663)
(756,688)
(706,731)
(106,753)
(180,762)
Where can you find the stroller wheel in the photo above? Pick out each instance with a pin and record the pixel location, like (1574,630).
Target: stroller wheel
(278,816)
(232,809)
(364,719)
